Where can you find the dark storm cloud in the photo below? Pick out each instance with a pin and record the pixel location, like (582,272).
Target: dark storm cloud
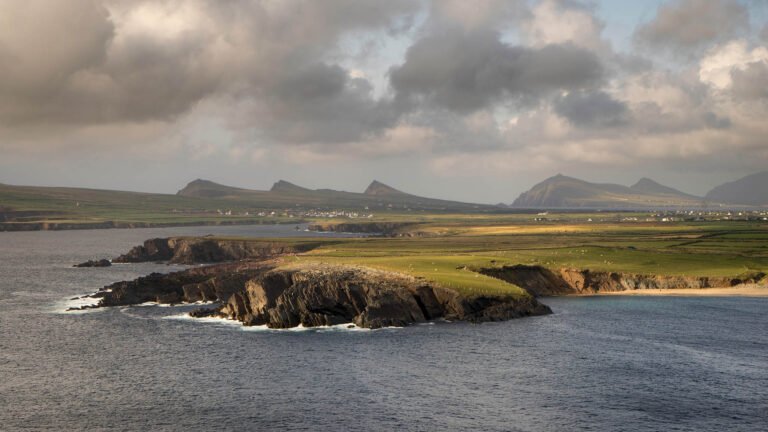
(592,109)
(321,103)
(692,24)
(86,62)
(715,121)
(466,71)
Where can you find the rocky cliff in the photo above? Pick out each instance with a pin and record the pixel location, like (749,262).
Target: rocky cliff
(540,281)
(258,293)
(209,283)
(195,250)
(327,295)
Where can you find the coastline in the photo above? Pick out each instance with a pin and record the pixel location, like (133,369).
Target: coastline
(66,226)
(737,291)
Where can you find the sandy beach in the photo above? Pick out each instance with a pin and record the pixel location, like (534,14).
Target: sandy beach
(737,291)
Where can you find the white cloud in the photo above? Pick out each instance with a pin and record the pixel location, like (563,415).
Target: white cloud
(557,22)
(716,67)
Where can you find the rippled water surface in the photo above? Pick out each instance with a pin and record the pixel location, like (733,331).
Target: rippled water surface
(614,364)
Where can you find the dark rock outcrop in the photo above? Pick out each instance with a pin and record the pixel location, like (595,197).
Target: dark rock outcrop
(381,228)
(195,250)
(314,295)
(541,281)
(95,263)
(211,283)
(328,295)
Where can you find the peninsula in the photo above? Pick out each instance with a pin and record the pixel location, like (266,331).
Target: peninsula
(464,268)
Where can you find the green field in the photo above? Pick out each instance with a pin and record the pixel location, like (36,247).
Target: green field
(711,249)
(27,205)
(445,247)
(21,207)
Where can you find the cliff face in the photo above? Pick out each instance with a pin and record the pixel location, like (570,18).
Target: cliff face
(329,295)
(540,281)
(183,250)
(318,295)
(211,283)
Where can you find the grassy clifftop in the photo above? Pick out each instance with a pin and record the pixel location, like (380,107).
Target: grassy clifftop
(449,259)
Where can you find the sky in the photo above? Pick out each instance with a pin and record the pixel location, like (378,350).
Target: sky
(474,101)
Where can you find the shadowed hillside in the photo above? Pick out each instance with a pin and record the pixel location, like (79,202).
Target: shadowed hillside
(750,190)
(376,196)
(567,192)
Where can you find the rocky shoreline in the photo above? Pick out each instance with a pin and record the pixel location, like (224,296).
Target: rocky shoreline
(540,281)
(204,250)
(64,226)
(380,228)
(256,287)
(254,282)
(385,229)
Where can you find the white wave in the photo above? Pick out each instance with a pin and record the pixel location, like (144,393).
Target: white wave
(350,327)
(63,306)
(206,320)
(151,303)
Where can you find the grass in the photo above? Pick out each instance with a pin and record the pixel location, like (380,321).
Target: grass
(726,249)
(596,241)
(444,270)
(84,206)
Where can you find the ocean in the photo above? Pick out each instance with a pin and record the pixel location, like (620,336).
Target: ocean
(597,363)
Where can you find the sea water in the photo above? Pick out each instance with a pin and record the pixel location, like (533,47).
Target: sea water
(598,363)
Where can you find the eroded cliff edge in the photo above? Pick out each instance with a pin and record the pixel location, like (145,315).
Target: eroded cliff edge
(540,281)
(258,287)
(203,250)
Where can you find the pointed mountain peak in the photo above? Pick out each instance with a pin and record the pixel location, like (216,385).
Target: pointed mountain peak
(201,182)
(649,186)
(645,182)
(378,188)
(287,187)
(206,188)
(561,178)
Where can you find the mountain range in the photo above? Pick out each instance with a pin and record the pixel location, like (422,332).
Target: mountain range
(377,195)
(32,204)
(567,192)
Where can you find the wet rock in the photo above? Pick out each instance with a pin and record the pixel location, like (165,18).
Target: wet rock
(204,313)
(95,263)
(210,283)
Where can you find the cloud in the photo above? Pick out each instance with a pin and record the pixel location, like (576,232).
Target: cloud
(321,103)
(593,109)
(475,15)
(482,87)
(91,62)
(467,71)
(751,81)
(685,25)
(715,69)
(564,21)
